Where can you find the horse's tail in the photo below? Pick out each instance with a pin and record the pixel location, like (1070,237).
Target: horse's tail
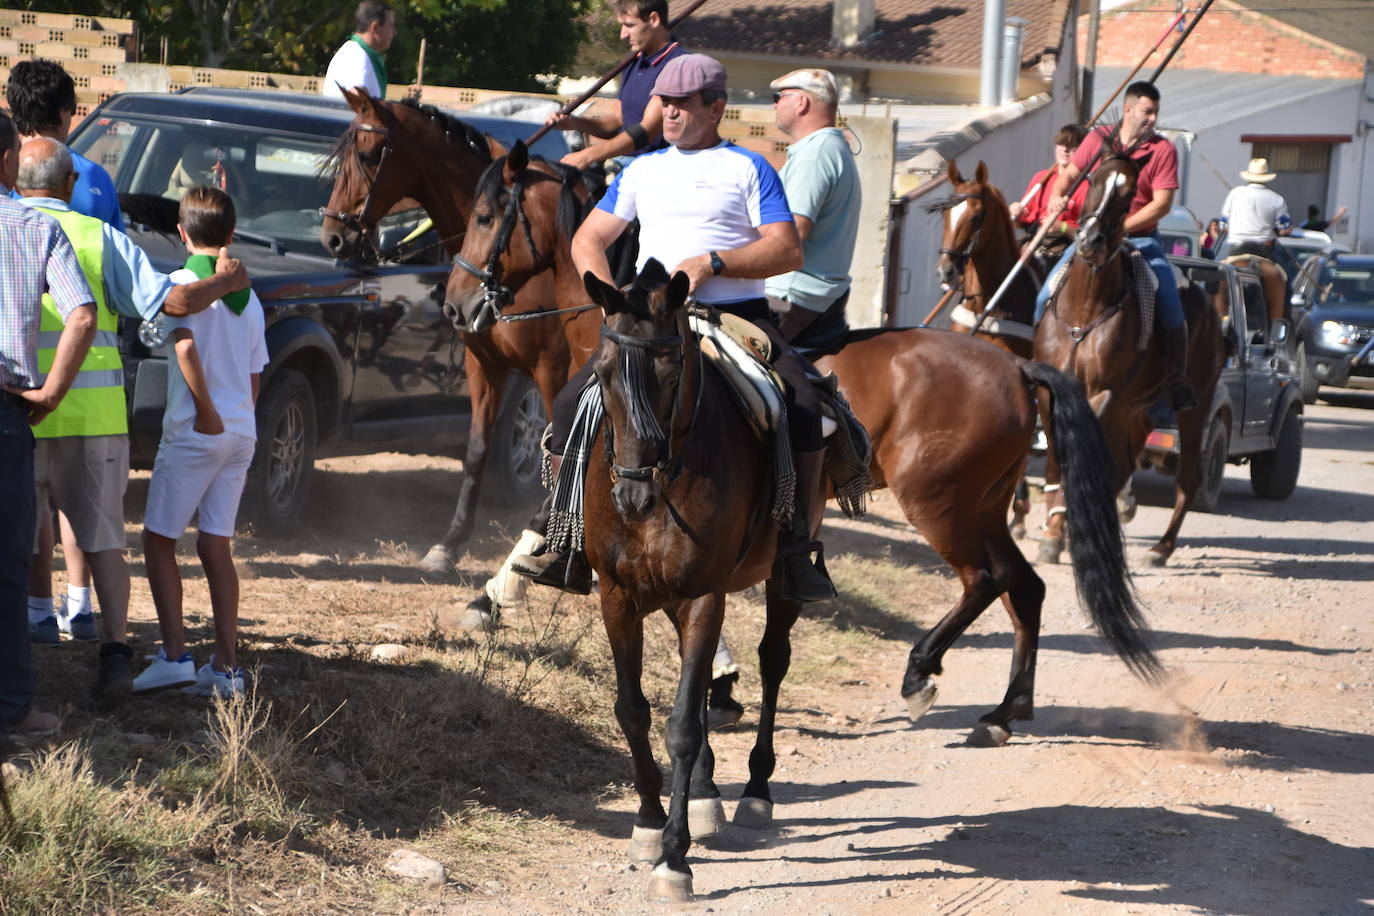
(1095,544)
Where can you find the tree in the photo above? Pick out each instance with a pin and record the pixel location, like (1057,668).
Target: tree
(497,44)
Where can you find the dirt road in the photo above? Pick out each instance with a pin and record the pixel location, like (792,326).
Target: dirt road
(1242,787)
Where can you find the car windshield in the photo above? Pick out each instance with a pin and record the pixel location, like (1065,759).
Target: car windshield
(1347,283)
(273,179)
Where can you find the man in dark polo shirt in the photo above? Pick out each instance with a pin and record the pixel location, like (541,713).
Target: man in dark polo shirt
(636,125)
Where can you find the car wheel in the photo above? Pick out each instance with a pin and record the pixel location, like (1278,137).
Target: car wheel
(1307,375)
(1274,474)
(1212,463)
(512,477)
(279,479)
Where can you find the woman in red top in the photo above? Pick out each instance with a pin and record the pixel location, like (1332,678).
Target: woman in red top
(1030,209)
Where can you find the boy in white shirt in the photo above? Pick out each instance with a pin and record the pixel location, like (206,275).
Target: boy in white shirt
(208,435)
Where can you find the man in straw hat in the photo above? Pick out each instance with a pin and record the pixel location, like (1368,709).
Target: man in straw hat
(1253,215)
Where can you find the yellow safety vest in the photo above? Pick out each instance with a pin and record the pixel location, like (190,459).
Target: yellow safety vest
(94,406)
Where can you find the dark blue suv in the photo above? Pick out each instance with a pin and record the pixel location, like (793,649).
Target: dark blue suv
(1337,329)
(362,359)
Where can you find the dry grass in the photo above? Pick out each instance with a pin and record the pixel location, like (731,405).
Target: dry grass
(470,750)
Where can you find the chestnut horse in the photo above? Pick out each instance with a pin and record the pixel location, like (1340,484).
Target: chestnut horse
(1091,330)
(951,418)
(977,251)
(397,150)
(678,513)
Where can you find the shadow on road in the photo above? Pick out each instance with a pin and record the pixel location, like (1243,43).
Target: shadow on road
(1223,858)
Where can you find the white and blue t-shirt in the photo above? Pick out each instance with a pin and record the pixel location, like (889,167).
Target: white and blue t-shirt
(689,202)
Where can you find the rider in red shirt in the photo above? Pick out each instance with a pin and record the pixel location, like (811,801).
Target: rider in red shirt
(1154,198)
(1031,208)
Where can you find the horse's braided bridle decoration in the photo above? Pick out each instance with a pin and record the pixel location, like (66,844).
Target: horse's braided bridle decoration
(634,369)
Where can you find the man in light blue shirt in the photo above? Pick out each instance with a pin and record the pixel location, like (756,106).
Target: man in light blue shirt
(822,185)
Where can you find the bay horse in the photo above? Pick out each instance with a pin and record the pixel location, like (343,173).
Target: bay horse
(977,251)
(951,418)
(1091,330)
(679,493)
(397,150)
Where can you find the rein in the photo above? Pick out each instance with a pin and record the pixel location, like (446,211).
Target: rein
(495,294)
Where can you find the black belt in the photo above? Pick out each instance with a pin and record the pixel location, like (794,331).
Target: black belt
(14,400)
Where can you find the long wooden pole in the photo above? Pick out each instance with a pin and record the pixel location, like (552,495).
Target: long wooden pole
(1083,175)
(624,62)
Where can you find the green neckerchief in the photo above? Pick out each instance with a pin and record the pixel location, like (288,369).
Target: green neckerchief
(378,65)
(203,266)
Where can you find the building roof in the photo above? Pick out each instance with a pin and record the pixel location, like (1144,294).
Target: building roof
(929,33)
(1345,23)
(1193,100)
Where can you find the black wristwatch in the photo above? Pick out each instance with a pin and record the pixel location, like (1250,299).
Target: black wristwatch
(717,265)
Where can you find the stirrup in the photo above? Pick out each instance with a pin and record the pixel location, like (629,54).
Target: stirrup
(802,580)
(566,571)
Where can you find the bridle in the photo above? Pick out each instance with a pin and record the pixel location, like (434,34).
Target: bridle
(960,256)
(360,222)
(495,294)
(1095,219)
(633,370)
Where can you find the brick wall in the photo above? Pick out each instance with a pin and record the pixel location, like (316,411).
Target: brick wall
(1229,38)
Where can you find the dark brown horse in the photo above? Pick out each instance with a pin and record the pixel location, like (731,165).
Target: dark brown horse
(951,418)
(678,513)
(1092,329)
(398,150)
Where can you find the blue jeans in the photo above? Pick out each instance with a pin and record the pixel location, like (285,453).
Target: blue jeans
(16,555)
(1168,308)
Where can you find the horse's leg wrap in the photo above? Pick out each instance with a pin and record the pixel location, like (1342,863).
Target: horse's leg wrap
(506,588)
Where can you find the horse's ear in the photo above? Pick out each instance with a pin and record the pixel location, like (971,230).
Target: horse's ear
(518,158)
(954,176)
(603,294)
(652,276)
(981,175)
(678,287)
(352,96)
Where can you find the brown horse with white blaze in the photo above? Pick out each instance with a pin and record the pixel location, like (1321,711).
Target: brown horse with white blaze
(1092,329)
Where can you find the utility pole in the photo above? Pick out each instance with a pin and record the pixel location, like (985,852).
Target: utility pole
(1085,97)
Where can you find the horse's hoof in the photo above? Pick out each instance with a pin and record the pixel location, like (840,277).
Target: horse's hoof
(919,702)
(754,814)
(646,844)
(1126,510)
(705,817)
(479,615)
(1050,549)
(988,734)
(1018,531)
(668,886)
(1157,559)
(438,561)
(717,718)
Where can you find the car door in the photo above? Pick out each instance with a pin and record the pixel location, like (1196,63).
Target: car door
(1260,379)
(408,383)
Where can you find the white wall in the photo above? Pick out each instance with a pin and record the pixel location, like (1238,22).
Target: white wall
(1218,156)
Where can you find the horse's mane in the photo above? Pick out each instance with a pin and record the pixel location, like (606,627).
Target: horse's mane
(452,126)
(571,210)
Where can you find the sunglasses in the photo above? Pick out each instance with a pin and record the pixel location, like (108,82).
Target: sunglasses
(777,96)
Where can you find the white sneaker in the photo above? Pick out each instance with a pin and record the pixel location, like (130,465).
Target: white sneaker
(211,682)
(162,674)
